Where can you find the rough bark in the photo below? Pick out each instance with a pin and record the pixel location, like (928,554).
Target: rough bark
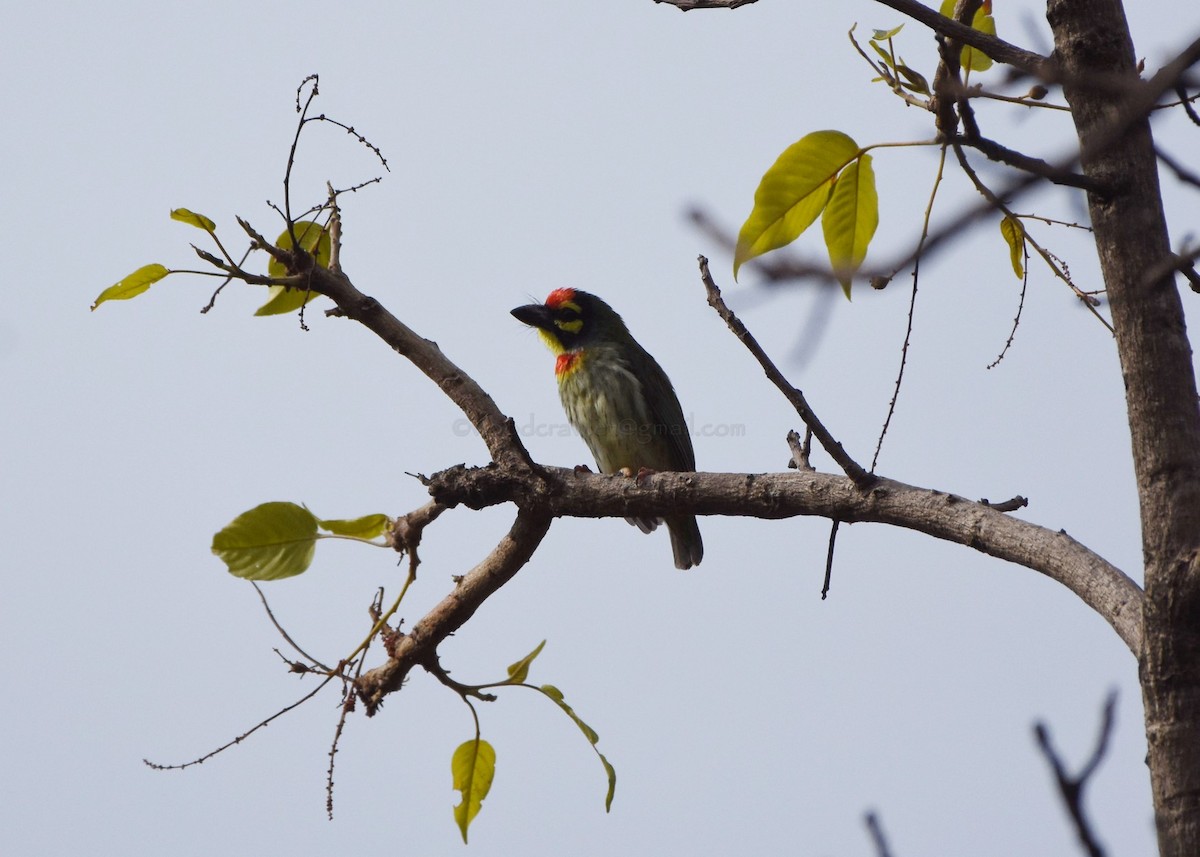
(1092,43)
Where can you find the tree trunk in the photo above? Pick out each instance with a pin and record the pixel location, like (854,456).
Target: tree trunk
(1095,52)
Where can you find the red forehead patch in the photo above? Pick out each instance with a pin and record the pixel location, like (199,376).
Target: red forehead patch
(558,297)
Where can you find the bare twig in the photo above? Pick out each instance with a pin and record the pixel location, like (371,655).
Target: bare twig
(284,634)
(1056,265)
(833,531)
(262,724)
(1071,788)
(689,5)
(1051,172)
(877,838)
(801,450)
(1012,505)
(912,308)
(1016,322)
(851,468)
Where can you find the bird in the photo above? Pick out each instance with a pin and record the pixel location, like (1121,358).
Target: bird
(619,400)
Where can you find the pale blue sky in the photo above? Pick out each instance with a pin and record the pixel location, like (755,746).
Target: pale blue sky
(532,145)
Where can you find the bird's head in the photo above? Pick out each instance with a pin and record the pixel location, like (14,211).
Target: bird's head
(570,320)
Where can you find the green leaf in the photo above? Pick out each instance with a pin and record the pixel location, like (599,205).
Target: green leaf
(518,672)
(884,35)
(850,219)
(366,527)
(1014,234)
(193,219)
(269,542)
(793,192)
(588,732)
(133,285)
(473,766)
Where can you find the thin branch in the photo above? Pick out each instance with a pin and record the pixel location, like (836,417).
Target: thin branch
(1019,160)
(801,450)
(912,307)
(998,49)
(409,650)
(284,634)
(1016,322)
(1056,265)
(262,724)
(1012,505)
(833,531)
(851,468)
(1071,788)
(877,838)
(689,5)
(1186,102)
(497,430)
(1181,172)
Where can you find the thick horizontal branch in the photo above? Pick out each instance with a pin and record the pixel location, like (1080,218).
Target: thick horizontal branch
(565,493)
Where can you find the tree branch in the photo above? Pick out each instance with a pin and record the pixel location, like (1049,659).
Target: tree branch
(998,49)
(852,468)
(563,492)
(497,430)
(1071,788)
(407,650)
(689,5)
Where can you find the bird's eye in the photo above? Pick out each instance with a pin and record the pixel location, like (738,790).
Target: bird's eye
(568,320)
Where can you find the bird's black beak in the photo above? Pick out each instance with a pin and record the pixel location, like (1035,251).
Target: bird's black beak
(535,315)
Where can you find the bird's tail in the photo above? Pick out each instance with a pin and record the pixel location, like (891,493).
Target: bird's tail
(686,543)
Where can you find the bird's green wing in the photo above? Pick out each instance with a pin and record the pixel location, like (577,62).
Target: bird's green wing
(666,411)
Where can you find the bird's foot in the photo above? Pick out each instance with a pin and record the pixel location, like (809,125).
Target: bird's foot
(639,477)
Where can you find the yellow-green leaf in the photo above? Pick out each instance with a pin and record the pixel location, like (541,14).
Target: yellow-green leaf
(850,219)
(312,238)
(588,732)
(270,541)
(884,35)
(193,219)
(518,672)
(366,527)
(883,55)
(282,299)
(1014,235)
(285,299)
(133,285)
(973,59)
(793,192)
(473,766)
(985,23)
